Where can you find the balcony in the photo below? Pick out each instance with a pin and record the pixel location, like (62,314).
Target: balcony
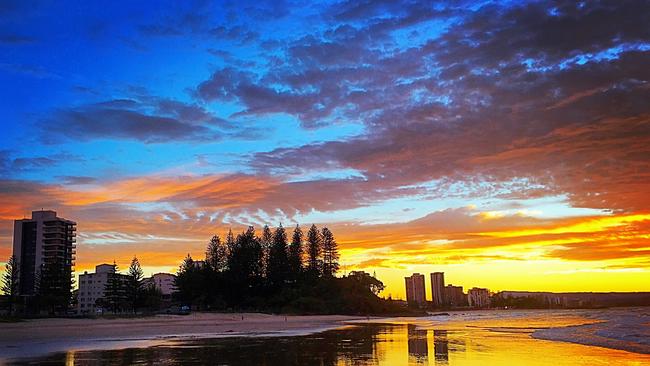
(53,250)
(49,235)
(54,229)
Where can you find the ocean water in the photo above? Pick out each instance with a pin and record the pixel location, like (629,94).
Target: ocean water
(565,337)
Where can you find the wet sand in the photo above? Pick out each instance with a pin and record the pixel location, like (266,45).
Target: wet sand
(464,338)
(41,336)
(472,338)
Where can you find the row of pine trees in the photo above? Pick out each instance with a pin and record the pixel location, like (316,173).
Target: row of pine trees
(265,271)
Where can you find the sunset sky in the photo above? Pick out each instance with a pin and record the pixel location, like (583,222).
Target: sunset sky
(504,143)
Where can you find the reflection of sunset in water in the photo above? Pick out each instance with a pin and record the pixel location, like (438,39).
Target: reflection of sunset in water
(460,339)
(404,345)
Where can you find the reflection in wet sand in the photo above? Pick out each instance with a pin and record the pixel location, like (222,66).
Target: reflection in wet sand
(407,342)
(441,346)
(417,344)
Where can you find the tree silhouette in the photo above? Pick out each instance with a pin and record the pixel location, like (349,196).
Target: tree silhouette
(115,291)
(216,255)
(267,242)
(244,267)
(330,253)
(314,251)
(188,282)
(134,283)
(278,259)
(10,281)
(295,254)
(230,243)
(55,286)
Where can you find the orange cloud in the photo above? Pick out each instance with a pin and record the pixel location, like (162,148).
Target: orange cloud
(113,227)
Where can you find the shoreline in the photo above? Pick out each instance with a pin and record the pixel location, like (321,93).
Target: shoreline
(619,328)
(616,330)
(569,334)
(629,331)
(39,337)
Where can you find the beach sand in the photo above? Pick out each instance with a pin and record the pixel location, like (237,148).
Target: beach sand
(41,336)
(463,338)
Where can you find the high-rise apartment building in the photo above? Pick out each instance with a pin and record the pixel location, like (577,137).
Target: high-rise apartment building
(415,293)
(454,295)
(44,247)
(478,297)
(438,288)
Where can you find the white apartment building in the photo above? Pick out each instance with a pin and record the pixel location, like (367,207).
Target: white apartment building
(91,287)
(164,282)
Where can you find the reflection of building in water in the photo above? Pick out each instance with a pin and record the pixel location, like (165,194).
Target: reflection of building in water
(417,343)
(440,345)
(69,358)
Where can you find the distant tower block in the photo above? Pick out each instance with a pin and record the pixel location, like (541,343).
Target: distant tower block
(415,293)
(438,288)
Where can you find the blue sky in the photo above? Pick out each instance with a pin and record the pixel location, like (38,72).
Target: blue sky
(345,113)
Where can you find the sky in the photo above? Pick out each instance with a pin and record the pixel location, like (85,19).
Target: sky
(504,143)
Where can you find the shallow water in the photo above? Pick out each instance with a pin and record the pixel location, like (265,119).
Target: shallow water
(472,338)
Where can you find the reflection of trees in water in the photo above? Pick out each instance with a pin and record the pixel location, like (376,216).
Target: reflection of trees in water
(440,345)
(355,343)
(417,344)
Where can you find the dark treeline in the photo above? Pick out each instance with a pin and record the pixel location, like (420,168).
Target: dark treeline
(532,302)
(279,272)
(52,289)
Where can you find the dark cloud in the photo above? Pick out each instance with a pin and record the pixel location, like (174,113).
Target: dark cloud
(177,19)
(239,33)
(10,165)
(32,163)
(148,119)
(97,122)
(501,94)
(203,19)
(190,113)
(76,180)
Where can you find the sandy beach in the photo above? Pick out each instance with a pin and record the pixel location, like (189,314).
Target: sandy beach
(41,336)
(463,338)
